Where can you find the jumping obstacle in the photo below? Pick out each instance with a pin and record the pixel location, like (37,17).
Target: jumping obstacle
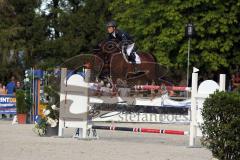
(74,106)
(198,96)
(169,88)
(141,130)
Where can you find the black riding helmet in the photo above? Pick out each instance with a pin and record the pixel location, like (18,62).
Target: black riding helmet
(111,24)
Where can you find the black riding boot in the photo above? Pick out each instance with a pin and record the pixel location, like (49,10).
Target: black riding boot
(132,57)
(133,60)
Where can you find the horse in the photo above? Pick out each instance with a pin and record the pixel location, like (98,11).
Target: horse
(116,65)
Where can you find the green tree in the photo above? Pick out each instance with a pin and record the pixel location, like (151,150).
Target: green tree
(7,17)
(77,28)
(221,130)
(159,27)
(16,33)
(85,25)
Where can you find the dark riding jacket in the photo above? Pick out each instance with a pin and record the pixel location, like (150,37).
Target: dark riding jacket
(120,36)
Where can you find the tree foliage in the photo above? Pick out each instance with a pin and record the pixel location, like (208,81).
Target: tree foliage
(159,27)
(46,32)
(74,27)
(16,33)
(221,115)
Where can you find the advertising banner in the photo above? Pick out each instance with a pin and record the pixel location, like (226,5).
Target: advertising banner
(7,104)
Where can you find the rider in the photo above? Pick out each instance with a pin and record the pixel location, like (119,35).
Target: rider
(124,38)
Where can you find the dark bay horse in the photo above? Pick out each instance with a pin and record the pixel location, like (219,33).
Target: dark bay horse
(117,66)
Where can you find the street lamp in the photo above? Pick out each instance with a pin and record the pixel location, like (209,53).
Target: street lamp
(189,31)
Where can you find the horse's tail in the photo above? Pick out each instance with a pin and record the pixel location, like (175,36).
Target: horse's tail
(156,67)
(159,70)
(154,57)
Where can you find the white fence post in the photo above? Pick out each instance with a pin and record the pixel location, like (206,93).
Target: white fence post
(222,82)
(193,123)
(73,103)
(62,99)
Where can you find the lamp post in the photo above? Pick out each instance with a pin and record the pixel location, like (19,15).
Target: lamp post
(189,31)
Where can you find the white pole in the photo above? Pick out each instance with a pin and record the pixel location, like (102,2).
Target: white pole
(87,73)
(222,82)
(188,63)
(193,123)
(62,101)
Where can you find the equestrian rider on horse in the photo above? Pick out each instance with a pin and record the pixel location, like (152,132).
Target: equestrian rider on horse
(123,38)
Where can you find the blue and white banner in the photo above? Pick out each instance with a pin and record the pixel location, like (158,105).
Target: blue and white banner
(7,104)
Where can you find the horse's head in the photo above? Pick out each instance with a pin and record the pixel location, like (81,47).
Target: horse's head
(107,49)
(110,46)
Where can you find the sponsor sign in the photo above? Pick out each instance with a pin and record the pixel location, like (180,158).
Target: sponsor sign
(7,104)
